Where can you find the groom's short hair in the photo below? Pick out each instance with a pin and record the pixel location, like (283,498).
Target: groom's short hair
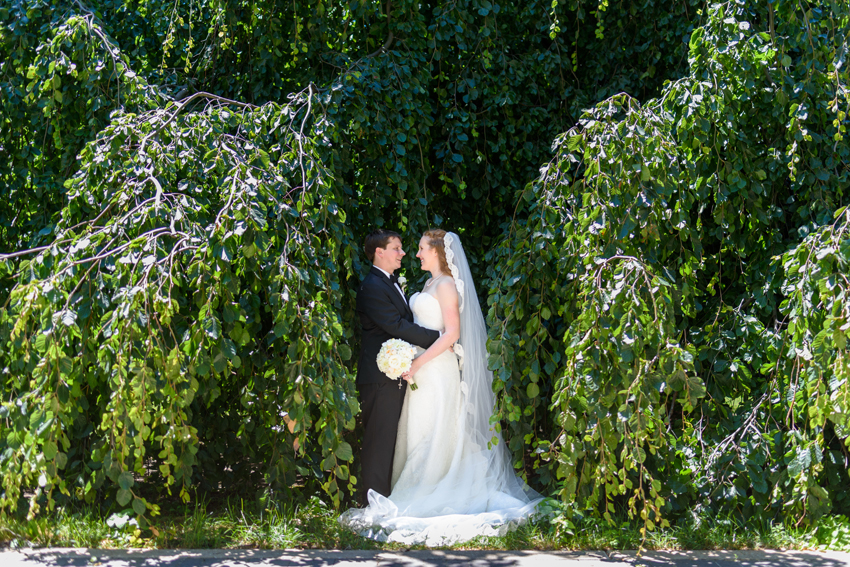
(378,239)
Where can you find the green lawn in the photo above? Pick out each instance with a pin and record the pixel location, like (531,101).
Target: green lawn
(313,525)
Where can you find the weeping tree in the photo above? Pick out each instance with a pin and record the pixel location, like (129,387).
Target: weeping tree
(177,303)
(193,273)
(668,322)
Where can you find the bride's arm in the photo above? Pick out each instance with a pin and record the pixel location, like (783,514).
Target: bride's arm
(447,296)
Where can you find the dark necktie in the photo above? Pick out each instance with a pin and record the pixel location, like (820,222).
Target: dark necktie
(393,279)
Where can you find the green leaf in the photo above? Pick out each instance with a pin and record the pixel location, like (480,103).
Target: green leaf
(203,367)
(758,482)
(212,326)
(66,365)
(219,362)
(344,451)
(840,339)
(696,389)
(280,329)
(228,348)
(123,497)
(50,450)
(801,462)
(344,352)
(629,225)
(125,480)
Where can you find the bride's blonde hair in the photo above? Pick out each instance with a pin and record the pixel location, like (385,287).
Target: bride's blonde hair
(435,239)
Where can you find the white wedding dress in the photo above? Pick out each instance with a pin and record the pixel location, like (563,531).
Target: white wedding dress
(450,483)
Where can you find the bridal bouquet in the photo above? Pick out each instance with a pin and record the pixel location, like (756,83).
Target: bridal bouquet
(394,359)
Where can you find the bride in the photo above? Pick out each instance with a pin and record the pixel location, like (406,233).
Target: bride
(452,477)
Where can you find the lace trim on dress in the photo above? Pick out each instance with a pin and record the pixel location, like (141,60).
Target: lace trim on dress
(450,256)
(458,349)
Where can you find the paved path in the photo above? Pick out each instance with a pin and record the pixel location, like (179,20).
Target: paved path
(435,558)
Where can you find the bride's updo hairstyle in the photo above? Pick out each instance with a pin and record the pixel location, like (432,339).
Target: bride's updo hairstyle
(435,239)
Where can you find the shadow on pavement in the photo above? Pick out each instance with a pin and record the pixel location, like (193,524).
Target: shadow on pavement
(311,558)
(741,558)
(424,558)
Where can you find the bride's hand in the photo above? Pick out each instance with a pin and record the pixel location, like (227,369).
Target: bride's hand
(414,368)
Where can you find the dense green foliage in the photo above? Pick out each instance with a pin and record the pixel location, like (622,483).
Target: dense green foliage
(673,311)
(459,109)
(188,184)
(62,75)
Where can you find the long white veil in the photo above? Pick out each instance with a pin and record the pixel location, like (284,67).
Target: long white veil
(480,494)
(478,380)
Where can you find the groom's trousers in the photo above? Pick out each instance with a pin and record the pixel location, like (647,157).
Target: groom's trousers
(380,406)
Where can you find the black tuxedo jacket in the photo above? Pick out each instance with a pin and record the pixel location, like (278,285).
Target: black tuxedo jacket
(384,315)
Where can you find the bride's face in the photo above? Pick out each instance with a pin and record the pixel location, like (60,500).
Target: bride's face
(428,259)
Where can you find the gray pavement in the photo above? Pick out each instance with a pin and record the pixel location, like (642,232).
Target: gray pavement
(430,558)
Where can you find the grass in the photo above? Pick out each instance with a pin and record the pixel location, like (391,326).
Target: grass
(314,525)
(229,526)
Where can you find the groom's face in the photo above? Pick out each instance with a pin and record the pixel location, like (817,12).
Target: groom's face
(393,254)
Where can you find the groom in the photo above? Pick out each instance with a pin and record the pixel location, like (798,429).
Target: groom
(384,314)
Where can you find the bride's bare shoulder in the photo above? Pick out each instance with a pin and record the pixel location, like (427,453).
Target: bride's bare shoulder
(446,288)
